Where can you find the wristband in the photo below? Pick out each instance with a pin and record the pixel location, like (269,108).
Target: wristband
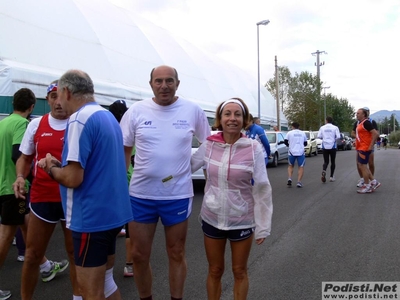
(20,175)
(50,173)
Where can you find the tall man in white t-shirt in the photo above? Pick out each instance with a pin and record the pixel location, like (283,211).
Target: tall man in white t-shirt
(296,140)
(161,129)
(328,133)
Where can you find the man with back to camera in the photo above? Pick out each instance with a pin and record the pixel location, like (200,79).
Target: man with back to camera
(371,161)
(12,210)
(328,133)
(43,135)
(366,136)
(296,140)
(161,129)
(92,179)
(256,132)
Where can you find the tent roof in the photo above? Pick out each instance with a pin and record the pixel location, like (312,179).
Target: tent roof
(42,39)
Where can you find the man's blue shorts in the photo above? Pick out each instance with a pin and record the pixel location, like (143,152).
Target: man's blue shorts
(171,212)
(301,160)
(92,249)
(363,156)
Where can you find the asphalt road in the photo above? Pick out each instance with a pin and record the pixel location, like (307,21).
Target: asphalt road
(321,232)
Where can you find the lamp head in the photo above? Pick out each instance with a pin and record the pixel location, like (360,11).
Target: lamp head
(263,22)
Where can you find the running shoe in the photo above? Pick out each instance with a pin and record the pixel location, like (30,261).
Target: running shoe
(375,184)
(14,243)
(365,190)
(299,185)
(128,271)
(122,233)
(332,179)
(323,178)
(56,267)
(289,182)
(360,183)
(4,294)
(21,258)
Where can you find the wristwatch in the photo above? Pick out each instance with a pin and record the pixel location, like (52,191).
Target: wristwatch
(49,171)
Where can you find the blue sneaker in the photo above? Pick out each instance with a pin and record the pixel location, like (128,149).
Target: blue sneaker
(299,185)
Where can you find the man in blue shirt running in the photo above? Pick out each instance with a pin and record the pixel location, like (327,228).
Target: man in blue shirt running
(256,132)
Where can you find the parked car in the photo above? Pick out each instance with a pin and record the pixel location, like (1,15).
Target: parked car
(398,144)
(319,141)
(199,174)
(279,151)
(311,147)
(349,143)
(341,143)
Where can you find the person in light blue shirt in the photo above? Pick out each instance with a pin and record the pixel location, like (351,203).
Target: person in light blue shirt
(296,140)
(256,132)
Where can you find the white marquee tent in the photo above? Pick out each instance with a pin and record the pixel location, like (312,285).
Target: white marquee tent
(40,40)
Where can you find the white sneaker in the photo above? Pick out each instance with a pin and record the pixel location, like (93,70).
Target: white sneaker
(332,179)
(122,233)
(360,183)
(366,189)
(375,184)
(128,271)
(21,258)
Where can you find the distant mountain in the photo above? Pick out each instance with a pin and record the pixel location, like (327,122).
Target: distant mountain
(380,115)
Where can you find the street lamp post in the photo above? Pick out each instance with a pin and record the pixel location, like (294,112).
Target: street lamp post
(264,22)
(325,87)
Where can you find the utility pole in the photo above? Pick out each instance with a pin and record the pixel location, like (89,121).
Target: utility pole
(325,87)
(318,64)
(278,119)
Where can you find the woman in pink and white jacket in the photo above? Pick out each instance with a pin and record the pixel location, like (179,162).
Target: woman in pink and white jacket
(237,204)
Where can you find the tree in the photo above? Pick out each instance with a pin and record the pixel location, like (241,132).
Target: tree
(341,112)
(302,102)
(394,138)
(386,125)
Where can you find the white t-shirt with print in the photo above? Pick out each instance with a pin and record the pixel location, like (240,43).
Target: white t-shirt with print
(163,136)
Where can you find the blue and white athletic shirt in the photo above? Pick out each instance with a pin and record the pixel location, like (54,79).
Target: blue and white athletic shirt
(329,133)
(94,139)
(296,139)
(163,137)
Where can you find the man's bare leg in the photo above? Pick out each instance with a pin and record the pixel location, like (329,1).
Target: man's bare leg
(176,239)
(142,236)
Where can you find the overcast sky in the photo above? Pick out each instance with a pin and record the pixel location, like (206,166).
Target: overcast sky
(360,38)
